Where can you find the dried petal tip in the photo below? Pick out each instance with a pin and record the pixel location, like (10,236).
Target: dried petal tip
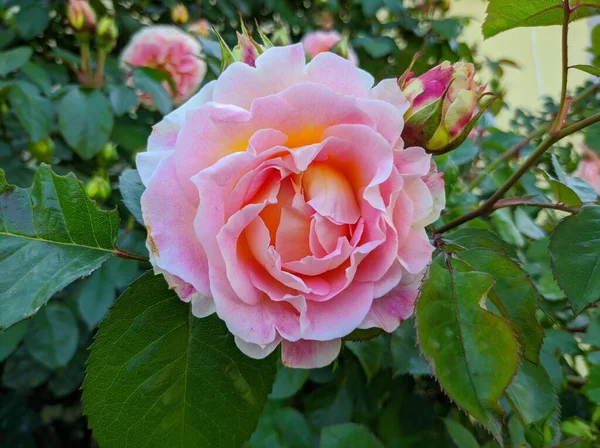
(81,16)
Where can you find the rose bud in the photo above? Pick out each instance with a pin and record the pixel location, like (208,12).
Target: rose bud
(180,14)
(201,27)
(108,155)
(107,33)
(42,150)
(98,189)
(246,50)
(443,106)
(81,16)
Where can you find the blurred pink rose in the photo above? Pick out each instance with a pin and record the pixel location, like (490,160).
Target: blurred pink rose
(458,105)
(589,169)
(171,50)
(322,41)
(282,197)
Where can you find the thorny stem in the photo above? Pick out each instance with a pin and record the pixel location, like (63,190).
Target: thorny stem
(564,101)
(129,256)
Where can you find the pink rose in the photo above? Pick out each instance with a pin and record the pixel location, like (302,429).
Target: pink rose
(589,169)
(81,15)
(322,41)
(171,50)
(282,197)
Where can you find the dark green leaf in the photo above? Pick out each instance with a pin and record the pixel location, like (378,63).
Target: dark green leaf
(473,352)
(157,376)
(575,254)
(68,379)
(369,353)
(329,405)
(348,435)
(11,338)
(131,187)
(50,235)
(122,98)
(99,291)
(85,120)
(592,388)
(281,427)
(13,59)
(21,371)
(461,436)
(406,357)
(463,154)
(35,113)
(32,18)
(503,15)
(53,337)
(532,393)
(150,81)
(39,76)
(288,382)
(513,294)
(478,239)
(594,71)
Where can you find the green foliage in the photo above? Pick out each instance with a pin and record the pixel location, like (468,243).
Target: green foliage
(152,358)
(50,235)
(349,435)
(150,81)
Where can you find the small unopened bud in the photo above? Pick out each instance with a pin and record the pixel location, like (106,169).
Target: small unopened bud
(246,50)
(180,14)
(281,37)
(81,16)
(200,27)
(108,155)
(42,150)
(98,189)
(107,33)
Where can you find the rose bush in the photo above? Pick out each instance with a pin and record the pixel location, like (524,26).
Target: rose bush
(282,197)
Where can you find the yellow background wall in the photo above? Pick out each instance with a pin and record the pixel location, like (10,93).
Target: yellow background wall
(537,52)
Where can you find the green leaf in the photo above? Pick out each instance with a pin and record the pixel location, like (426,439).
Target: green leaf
(513,294)
(348,435)
(575,255)
(22,371)
(460,435)
(288,382)
(11,338)
(157,376)
(592,388)
(99,290)
(281,427)
(85,120)
(472,352)
(527,226)
(131,187)
(53,336)
(532,394)
(505,225)
(13,59)
(122,98)
(35,113)
(50,235)
(39,76)
(68,379)
(32,19)
(503,15)
(406,357)
(594,71)
(329,405)
(478,239)
(149,80)
(584,191)
(369,353)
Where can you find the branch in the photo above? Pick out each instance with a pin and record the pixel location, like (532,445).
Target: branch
(129,256)
(564,101)
(526,201)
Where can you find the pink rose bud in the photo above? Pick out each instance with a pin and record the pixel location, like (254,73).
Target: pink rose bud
(589,169)
(443,106)
(200,27)
(322,41)
(81,16)
(180,14)
(246,50)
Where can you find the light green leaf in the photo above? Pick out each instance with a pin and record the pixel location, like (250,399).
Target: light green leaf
(505,225)
(288,382)
(513,294)
(150,80)
(13,59)
(592,388)
(369,353)
(473,352)
(122,98)
(503,15)
(35,113)
(575,254)
(158,376)
(53,337)
(584,191)
(85,120)
(406,357)
(594,71)
(532,393)
(11,338)
(50,235)
(461,436)
(473,238)
(131,187)
(527,226)
(348,435)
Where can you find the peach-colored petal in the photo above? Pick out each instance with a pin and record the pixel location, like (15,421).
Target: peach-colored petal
(306,354)
(415,253)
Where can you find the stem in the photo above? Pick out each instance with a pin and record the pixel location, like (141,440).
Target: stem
(514,202)
(129,256)
(86,61)
(99,76)
(544,145)
(562,111)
